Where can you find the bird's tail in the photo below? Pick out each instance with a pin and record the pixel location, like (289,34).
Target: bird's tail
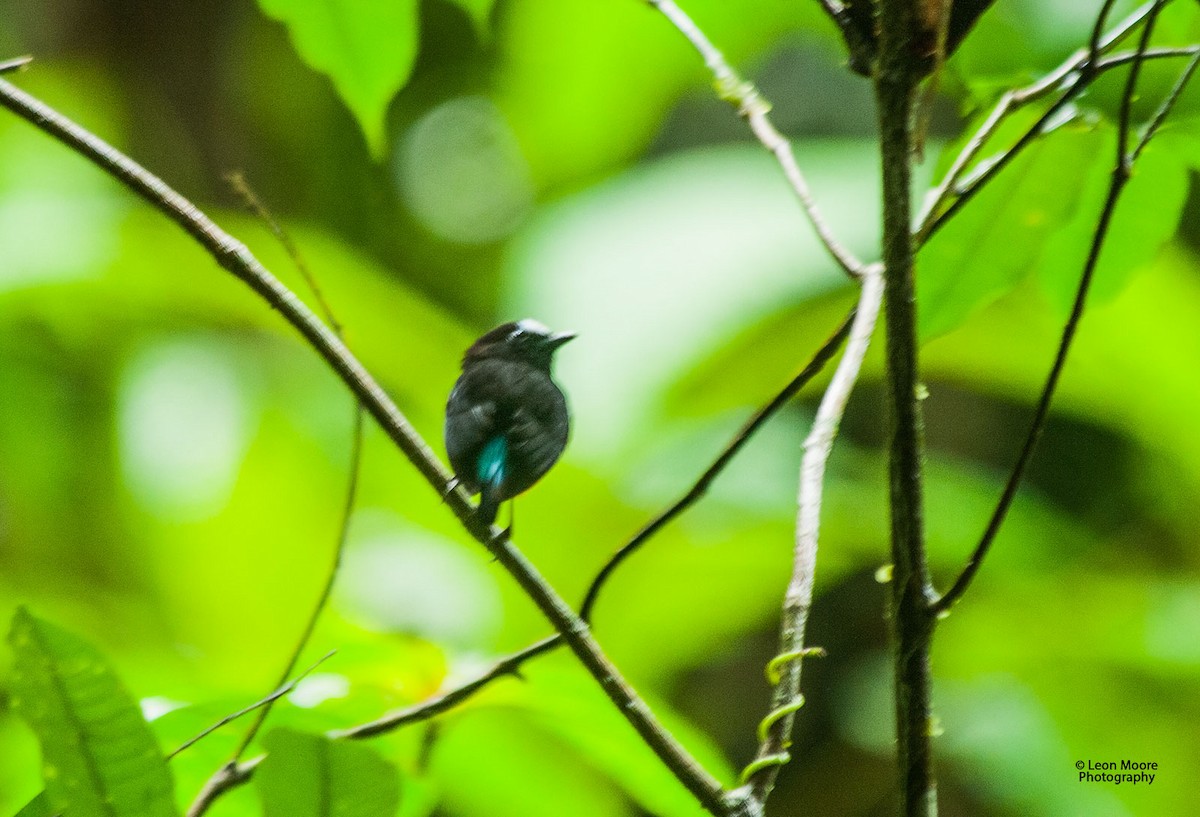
(492,468)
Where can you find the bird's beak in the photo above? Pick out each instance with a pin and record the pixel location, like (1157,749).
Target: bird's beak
(559,338)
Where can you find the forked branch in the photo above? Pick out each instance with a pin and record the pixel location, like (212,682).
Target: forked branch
(1126,155)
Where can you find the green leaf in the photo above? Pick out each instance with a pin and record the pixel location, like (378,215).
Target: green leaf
(995,241)
(99,757)
(366,48)
(1146,217)
(310,775)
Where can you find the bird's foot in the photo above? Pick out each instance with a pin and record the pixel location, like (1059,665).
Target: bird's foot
(498,536)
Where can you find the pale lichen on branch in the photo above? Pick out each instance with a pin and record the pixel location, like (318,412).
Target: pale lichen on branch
(751,105)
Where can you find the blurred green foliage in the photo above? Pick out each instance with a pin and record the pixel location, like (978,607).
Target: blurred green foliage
(172,458)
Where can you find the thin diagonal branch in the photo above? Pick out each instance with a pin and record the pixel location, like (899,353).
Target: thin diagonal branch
(255,204)
(232,775)
(701,486)
(987,169)
(1168,105)
(754,109)
(1162,52)
(15,64)
(772,751)
(449,699)
(274,696)
(1120,177)
(233,256)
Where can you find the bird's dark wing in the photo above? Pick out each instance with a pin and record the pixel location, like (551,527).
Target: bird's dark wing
(470,423)
(537,434)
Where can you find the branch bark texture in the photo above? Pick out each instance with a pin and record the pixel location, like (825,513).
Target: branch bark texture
(912,625)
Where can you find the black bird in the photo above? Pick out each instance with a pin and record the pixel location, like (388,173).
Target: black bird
(506,419)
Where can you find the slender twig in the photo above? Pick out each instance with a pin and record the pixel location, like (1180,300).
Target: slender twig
(936,196)
(937,17)
(1098,28)
(233,256)
(274,696)
(1120,177)
(227,778)
(985,169)
(449,699)
(775,737)
(932,217)
(1167,105)
(1124,155)
(232,775)
(754,109)
(701,486)
(15,64)
(240,186)
(255,204)
(1159,53)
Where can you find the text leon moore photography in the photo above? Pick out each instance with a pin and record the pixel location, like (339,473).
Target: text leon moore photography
(1117,772)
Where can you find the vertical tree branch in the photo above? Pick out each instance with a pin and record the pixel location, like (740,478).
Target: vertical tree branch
(911,622)
(784,671)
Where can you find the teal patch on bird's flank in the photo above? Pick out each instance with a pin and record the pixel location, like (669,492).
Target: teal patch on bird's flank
(492,461)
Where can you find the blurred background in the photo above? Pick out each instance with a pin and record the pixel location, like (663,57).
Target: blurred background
(173,457)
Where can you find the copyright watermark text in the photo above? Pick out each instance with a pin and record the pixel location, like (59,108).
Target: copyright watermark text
(1117,771)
